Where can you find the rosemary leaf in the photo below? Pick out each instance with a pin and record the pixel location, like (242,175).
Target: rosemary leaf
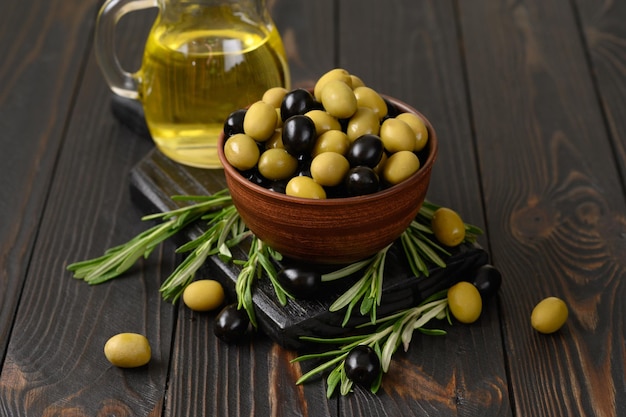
(333,380)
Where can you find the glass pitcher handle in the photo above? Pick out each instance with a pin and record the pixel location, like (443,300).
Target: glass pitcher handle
(122,82)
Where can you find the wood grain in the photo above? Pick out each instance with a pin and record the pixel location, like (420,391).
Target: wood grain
(554,208)
(418,41)
(256,378)
(54,363)
(33,112)
(604,32)
(528,100)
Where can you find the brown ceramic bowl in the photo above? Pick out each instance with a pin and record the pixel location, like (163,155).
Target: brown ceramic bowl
(332,231)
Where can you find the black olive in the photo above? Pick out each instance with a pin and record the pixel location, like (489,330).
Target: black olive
(300,282)
(487,280)
(234,123)
(392,110)
(231,324)
(362,365)
(299,135)
(253,175)
(298,101)
(279,186)
(361,180)
(304,167)
(365,150)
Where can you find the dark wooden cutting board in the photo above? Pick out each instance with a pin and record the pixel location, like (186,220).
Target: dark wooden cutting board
(155,179)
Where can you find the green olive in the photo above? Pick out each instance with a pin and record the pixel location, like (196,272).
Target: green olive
(331,141)
(329,168)
(277,164)
(323,121)
(274,96)
(275,141)
(419,128)
(397,136)
(448,226)
(356,81)
(203,295)
(279,120)
(241,151)
(400,166)
(334,74)
(363,122)
(368,97)
(338,99)
(464,302)
(260,121)
(305,187)
(549,315)
(128,350)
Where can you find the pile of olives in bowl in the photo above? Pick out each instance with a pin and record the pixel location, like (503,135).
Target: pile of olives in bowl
(329,175)
(340,139)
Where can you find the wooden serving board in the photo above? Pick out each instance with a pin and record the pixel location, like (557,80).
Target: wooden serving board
(156,178)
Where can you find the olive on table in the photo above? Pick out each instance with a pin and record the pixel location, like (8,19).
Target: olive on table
(448,227)
(234,123)
(231,324)
(241,151)
(549,315)
(366,150)
(400,166)
(203,295)
(362,365)
(361,180)
(128,350)
(329,168)
(300,282)
(487,281)
(464,302)
(298,135)
(260,121)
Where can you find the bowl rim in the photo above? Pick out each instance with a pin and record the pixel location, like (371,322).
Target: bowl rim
(432,146)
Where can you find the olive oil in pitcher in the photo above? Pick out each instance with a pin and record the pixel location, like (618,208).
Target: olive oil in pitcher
(203,60)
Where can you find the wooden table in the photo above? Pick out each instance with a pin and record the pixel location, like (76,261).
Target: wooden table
(528,101)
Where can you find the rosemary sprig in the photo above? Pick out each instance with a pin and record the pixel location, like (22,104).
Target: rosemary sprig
(394,330)
(259,260)
(420,249)
(119,259)
(226,229)
(367,290)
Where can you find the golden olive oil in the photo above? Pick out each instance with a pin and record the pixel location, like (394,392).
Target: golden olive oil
(192,79)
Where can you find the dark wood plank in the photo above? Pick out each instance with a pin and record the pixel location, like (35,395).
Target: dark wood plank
(605,35)
(554,207)
(462,373)
(209,378)
(54,363)
(42,45)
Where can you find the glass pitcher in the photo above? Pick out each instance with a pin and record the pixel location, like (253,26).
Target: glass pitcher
(203,59)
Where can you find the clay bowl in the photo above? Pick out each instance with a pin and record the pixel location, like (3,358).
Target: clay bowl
(332,231)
